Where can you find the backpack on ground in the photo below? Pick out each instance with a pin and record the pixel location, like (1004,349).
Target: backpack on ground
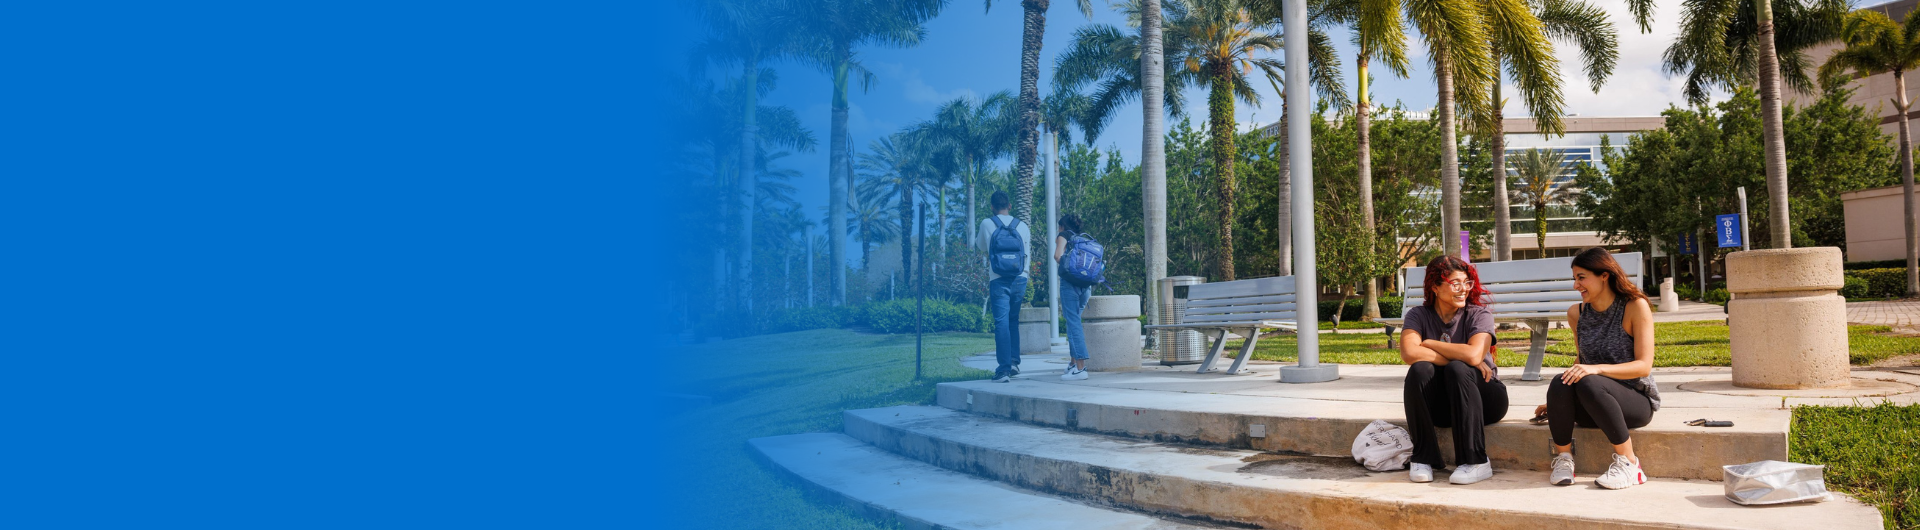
(1083,264)
(1006,254)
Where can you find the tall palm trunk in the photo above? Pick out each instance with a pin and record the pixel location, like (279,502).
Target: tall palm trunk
(1034,27)
(906,229)
(1449,160)
(743,279)
(1906,183)
(1284,196)
(971,222)
(942,230)
(1540,226)
(1220,121)
(1153,154)
(1774,136)
(838,172)
(1497,143)
(1363,157)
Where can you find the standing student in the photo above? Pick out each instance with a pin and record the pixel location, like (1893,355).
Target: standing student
(1452,381)
(1005,240)
(1611,387)
(1073,300)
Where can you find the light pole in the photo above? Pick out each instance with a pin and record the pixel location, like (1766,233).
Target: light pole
(1300,146)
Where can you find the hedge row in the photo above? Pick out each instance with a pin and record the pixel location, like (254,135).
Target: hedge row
(1881,283)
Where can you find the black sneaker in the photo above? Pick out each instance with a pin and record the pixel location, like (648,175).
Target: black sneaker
(1016,370)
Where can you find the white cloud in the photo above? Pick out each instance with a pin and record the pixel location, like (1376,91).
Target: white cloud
(913,88)
(1640,84)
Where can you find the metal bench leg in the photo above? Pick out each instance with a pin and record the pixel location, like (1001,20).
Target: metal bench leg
(1391,338)
(1246,350)
(1539,352)
(1219,345)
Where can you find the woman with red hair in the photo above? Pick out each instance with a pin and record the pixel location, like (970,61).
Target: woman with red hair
(1452,382)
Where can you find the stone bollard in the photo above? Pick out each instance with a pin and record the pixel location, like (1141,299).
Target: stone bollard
(1669,301)
(1112,327)
(1789,324)
(1034,334)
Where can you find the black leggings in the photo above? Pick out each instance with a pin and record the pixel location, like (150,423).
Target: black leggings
(1595,401)
(1455,397)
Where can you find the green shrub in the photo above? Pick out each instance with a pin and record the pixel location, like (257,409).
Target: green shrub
(805,318)
(1686,291)
(1882,264)
(1717,296)
(1389,308)
(1856,288)
(898,317)
(1883,283)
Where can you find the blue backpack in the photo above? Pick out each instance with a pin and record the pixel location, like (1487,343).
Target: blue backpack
(1083,264)
(1006,255)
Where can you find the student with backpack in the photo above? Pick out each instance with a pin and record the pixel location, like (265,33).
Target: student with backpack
(1005,240)
(1081,267)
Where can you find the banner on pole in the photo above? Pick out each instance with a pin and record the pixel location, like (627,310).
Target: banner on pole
(1688,246)
(1728,229)
(1465,254)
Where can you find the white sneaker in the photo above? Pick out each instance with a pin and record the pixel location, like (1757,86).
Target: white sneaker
(1562,470)
(1420,473)
(1471,473)
(1002,378)
(1622,474)
(1073,374)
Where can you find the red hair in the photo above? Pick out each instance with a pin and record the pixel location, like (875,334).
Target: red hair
(1442,268)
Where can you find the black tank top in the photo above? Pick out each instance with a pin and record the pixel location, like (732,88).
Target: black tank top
(1601,340)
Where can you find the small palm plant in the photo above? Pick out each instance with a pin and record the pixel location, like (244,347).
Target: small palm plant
(1534,179)
(1877,44)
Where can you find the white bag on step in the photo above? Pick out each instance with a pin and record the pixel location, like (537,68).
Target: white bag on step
(1383,446)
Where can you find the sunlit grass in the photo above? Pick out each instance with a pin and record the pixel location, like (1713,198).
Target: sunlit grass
(1677,344)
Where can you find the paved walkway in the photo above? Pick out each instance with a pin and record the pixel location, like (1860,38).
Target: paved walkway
(1897,313)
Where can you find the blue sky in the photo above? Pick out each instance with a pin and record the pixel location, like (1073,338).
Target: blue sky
(971,51)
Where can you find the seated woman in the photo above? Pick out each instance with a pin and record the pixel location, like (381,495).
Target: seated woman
(1453,381)
(1610,388)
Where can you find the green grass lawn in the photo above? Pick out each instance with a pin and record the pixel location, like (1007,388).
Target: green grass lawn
(1679,344)
(1870,452)
(785,384)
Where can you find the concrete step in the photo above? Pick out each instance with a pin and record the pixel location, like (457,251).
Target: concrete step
(1326,425)
(1244,487)
(893,489)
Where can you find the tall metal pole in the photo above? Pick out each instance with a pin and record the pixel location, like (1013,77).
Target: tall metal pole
(1744,238)
(1300,150)
(1053,227)
(807,232)
(920,285)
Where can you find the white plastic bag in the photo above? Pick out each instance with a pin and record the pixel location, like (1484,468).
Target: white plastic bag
(1775,482)
(1383,446)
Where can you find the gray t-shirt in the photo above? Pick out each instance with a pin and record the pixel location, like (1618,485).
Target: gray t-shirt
(1467,322)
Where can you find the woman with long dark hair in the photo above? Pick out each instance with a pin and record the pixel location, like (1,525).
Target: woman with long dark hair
(1073,301)
(1452,381)
(1610,387)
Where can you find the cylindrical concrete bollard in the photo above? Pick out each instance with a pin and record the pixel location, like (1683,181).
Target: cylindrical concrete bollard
(1788,325)
(1669,301)
(1112,327)
(1035,337)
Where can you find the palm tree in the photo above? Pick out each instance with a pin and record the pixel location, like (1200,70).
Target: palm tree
(747,33)
(873,223)
(1537,174)
(834,29)
(1726,43)
(1380,32)
(1566,20)
(885,171)
(1877,44)
(1033,28)
(981,131)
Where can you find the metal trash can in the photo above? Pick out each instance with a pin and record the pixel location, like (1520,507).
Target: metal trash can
(1183,346)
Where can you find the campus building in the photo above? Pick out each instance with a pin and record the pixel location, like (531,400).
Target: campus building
(1874,230)
(1568,229)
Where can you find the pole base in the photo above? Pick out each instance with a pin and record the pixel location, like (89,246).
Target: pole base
(1309,374)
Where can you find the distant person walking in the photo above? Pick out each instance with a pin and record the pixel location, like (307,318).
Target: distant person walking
(1073,298)
(1005,240)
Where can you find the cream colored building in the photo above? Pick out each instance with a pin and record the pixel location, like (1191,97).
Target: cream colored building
(1873,215)
(1874,93)
(1873,224)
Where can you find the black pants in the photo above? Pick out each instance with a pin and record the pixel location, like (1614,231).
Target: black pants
(1451,396)
(1595,401)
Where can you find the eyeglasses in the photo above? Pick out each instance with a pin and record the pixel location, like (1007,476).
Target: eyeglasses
(1459,285)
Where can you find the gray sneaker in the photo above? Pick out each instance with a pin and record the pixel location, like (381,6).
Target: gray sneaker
(1074,373)
(1420,473)
(1471,473)
(1621,475)
(1562,470)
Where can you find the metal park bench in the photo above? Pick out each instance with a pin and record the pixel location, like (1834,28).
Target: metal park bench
(1239,305)
(1534,291)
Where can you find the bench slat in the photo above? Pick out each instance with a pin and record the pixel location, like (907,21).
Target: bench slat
(1531,270)
(1568,296)
(1275,315)
(1230,325)
(1254,287)
(1212,302)
(1226,310)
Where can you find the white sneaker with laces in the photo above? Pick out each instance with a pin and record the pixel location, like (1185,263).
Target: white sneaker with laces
(1471,473)
(1420,473)
(1562,470)
(1622,474)
(1074,373)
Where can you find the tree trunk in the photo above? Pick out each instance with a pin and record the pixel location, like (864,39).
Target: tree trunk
(1034,27)
(837,189)
(941,223)
(972,206)
(1774,137)
(1220,121)
(1153,154)
(743,280)
(906,229)
(1449,159)
(1363,157)
(1284,225)
(1906,184)
(1502,216)
(1540,226)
